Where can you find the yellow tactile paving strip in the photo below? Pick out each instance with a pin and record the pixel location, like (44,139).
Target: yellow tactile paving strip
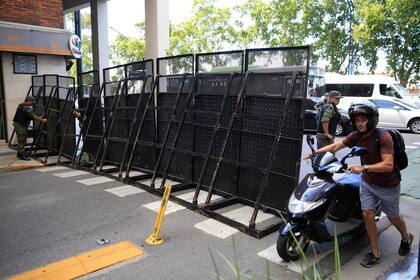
(83,264)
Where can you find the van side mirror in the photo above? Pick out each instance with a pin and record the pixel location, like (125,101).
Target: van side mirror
(396,107)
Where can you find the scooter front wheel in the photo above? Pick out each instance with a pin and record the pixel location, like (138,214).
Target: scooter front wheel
(288,246)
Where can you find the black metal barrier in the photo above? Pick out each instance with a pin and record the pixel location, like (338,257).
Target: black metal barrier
(232,136)
(53,95)
(55,105)
(172,85)
(226,128)
(72,125)
(129,103)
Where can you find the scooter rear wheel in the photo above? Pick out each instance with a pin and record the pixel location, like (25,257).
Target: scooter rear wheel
(287,248)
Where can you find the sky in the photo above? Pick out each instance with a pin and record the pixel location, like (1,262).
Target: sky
(124,14)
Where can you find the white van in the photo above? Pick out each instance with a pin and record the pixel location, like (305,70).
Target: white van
(355,87)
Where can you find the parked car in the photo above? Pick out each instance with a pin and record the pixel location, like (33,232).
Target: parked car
(344,127)
(398,114)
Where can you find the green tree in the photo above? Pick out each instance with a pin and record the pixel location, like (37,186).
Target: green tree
(128,49)
(394,27)
(208,29)
(328,24)
(274,23)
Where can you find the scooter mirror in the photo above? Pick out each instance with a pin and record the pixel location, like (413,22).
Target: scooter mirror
(357,151)
(311,142)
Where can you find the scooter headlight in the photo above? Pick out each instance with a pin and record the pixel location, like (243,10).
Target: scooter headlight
(297,206)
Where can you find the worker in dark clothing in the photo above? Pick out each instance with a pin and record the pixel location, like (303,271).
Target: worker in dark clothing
(23,116)
(328,120)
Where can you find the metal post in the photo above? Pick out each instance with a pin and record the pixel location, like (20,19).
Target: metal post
(113,115)
(154,238)
(136,138)
(78,31)
(168,130)
(85,135)
(107,122)
(225,141)
(213,139)
(143,90)
(273,152)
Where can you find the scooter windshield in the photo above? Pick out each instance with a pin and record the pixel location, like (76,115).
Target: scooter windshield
(326,159)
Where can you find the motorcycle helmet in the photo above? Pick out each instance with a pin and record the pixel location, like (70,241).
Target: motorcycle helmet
(366,108)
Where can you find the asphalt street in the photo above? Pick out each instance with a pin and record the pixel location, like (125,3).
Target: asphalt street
(46,216)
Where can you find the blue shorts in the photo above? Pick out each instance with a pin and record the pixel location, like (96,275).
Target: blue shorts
(387,198)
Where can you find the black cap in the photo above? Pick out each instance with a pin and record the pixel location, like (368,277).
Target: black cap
(334,93)
(29,98)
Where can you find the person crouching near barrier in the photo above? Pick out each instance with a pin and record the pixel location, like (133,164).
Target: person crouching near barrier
(380,181)
(23,116)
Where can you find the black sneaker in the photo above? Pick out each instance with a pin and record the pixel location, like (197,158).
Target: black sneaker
(405,246)
(370,260)
(23,157)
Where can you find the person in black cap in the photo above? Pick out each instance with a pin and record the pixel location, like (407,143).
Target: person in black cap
(23,116)
(328,120)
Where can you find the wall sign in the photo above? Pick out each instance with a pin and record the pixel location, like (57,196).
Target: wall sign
(75,45)
(24,64)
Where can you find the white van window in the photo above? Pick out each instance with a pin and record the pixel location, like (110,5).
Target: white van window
(402,90)
(352,90)
(389,91)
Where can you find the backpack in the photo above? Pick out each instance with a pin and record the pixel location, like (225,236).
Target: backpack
(400,156)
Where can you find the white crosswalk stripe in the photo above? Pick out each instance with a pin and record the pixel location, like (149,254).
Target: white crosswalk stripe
(51,168)
(158,181)
(416,143)
(71,174)
(411,147)
(132,173)
(106,167)
(95,181)
(124,191)
(297,266)
(201,197)
(216,228)
(241,215)
(170,208)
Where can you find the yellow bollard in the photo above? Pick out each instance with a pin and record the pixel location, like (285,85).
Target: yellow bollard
(154,238)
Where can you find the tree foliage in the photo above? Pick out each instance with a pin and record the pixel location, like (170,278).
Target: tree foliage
(339,31)
(128,49)
(209,28)
(394,27)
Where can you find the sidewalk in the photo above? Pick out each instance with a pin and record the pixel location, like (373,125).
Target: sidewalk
(410,184)
(9,162)
(393,266)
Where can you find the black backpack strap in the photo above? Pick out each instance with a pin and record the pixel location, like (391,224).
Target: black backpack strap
(378,134)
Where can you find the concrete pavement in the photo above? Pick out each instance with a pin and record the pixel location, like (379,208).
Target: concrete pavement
(46,215)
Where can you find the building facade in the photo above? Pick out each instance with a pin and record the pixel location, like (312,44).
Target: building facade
(32,42)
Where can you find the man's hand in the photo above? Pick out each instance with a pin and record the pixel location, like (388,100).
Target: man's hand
(305,156)
(355,169)
(43,120)
(76,114)
(329,136)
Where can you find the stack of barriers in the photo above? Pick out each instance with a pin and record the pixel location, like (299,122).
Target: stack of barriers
(224,128)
